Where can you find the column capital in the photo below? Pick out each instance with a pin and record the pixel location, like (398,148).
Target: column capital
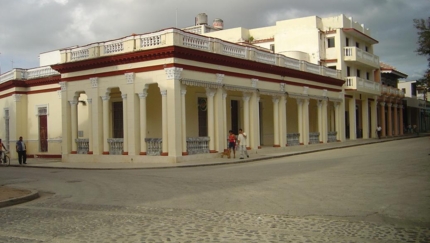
(17,97)
(319,103)
(210,92)
(183,92)
(173,73)
(254,82)
(224,95)
(90,101)
(73,102)
(143,94)
(389,104)
(395,105)
(275,99)
(105,97)
(382,103)
(282,87)
(124,96)
(163,92)
(63,86)
(246,96)
(299,101)
(306,102)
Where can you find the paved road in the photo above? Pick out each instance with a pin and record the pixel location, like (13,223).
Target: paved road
(372,193)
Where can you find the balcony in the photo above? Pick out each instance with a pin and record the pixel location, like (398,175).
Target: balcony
(25,74)
(362,85)
(392,92)
(360,57)
(175,37)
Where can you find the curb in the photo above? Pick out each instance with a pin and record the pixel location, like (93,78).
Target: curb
(10,202)
(248,160)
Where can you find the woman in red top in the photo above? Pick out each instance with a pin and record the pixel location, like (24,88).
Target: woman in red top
(231,144)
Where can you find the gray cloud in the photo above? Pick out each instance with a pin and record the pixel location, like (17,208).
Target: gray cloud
(30,27)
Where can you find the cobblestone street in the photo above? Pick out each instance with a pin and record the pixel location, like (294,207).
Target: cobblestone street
(71,222)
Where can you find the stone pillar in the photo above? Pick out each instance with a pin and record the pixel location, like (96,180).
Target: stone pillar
(338,120)
(352,120)
(184,122)
(210,93)
(306,121)
(382,111)
(254,114)
(390,121)
(374,117)
(275,121)
(164,127)
(220,127)
(90,126)
(396,121)
(143,128)
(105,99)
(224,111)
(125,124)
(365,117)
(74,121)
(324,130)
(401,119)
(283,121)
(320,120)
(300,119)
(246,97)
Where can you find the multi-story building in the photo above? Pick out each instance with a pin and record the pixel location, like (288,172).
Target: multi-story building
(335,42)
(416,104)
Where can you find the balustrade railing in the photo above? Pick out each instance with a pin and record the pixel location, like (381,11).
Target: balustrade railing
(290,62)
(154,146)
(293,139)
(113,47)
(332,136)
(234,50)
(150,41)
(265,57)
(314,137)
(311,68)
(115,145)
(41,72)
(198,145)
(83,145)
(196,41)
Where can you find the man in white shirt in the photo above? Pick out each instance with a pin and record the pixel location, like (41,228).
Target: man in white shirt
(241,143)
(378,131)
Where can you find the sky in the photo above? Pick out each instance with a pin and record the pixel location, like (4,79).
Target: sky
(31,27)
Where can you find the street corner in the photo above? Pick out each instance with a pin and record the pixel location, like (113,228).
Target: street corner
(10,196)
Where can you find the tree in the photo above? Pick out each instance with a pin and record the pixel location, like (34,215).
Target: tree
(423,28)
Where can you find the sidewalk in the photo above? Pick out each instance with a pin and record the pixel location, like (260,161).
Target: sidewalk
(262,154)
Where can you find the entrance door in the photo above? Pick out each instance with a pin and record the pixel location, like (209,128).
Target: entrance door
(43,133)
(203,117)
(118,120)
(235,116)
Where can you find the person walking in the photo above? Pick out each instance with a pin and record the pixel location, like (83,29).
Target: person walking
(241,142)
(21,150)
(1,151)
(378,131)
(231,144)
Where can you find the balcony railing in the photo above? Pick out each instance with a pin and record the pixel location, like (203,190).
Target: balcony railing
(198,145)
(293,139)
(24,74)
(362,85)
(115,145)
(358,55)
(154,146)
(391,91)
(175,37)
(332,136)
(83,145)
(314,137)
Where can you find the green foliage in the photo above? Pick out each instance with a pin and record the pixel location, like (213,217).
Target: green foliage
(423,49)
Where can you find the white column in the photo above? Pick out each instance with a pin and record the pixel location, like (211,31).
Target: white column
(275,121)
(105,123)
(283,121)
(300,119)
(320,120)
(253,140)
(184,124)
(390,120)
(164,122)
(142,104)
(374,117)
(125,124)
(365,117)
(396,121)
(338,120)
(245,98)
(324,136)
(74,121)
(224,111)
(306,121)
(401,119)
(383,126)
(352,121)
(90,126)
(210,93)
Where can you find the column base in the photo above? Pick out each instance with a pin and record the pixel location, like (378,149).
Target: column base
(90,152)
(259,147)
(302,144)
(276,146)
(213,151)
(73,152)
(248,148)
(105,152)
(164,154)
(142,153)
(124,153)
(184,153)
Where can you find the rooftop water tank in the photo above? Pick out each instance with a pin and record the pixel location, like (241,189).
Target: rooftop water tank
(201,19)
(218,24)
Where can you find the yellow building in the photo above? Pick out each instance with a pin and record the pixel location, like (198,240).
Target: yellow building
(172,96)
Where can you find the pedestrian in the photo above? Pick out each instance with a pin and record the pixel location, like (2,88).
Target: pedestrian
(241,143)
(378,131)
(1,151)
(231,144)
(21,150)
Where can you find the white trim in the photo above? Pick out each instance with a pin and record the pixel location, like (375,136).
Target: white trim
(41,106)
